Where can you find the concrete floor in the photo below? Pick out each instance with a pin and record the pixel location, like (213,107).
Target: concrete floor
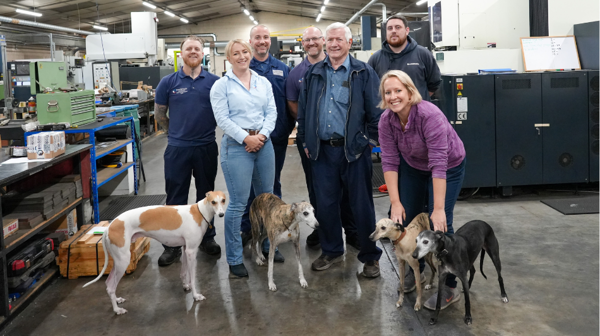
(550,269)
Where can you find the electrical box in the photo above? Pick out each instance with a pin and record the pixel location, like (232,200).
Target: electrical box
(76,108)
(47,75)
(105,74)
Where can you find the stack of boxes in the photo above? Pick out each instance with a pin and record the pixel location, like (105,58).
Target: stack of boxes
(45,145)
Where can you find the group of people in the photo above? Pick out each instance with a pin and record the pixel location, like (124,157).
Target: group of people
(344,107)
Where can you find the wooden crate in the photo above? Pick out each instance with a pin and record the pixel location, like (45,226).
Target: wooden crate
(87,253)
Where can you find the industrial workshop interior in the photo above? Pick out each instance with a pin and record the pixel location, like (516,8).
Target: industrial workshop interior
(316,167)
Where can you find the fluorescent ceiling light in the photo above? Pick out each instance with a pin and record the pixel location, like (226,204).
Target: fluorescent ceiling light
(147,4)
(255,22)
(319,17)
(169,13)
(184,20)
(100,27)
(325,2)
(251,18)
(246,11)
(421,2)
(322,9)
(22,11)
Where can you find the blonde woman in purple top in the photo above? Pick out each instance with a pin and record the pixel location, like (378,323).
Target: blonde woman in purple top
(423,163)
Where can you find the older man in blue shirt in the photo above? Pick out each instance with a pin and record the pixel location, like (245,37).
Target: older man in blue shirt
(337,124)
(276,72)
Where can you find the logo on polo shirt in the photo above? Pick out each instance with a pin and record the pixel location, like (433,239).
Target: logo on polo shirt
(412,63)
(180,91)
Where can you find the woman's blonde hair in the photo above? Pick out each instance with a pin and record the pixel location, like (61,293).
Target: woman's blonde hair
(230,44)
(415,96)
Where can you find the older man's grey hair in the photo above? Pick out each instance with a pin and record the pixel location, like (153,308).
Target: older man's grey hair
(258,25)
(338,25)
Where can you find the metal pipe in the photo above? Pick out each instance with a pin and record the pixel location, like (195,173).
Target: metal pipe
(51,48)
(355,16)
(384,11)
(43,26)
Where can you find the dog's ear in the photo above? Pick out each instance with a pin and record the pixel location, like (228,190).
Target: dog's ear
(399,226)
(439,234)
(294,207)
(207,193)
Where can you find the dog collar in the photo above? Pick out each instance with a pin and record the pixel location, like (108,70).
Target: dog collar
(204,218)
(395,242)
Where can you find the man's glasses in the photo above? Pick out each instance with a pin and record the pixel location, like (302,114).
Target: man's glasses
(312,39)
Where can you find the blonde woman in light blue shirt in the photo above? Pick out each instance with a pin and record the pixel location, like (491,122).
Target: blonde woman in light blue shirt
(245,110)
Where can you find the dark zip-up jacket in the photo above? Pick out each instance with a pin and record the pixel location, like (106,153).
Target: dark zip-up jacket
(362,116)
(415,60)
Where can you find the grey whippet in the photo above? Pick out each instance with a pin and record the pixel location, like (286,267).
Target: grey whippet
(457,254)
(280,222)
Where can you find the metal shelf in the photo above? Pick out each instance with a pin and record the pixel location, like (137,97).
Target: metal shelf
(106,174)
(13,241)
(51,273)
(105,151)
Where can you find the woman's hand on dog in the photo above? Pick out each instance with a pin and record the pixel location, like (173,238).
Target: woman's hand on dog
(254,143)
(398,215)
(438,217)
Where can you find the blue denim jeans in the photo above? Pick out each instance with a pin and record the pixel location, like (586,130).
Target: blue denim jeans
(241,171)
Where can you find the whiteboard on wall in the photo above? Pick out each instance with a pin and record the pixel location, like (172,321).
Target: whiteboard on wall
(550,53)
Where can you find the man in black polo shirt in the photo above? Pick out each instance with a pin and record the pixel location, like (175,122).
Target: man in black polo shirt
(192,149)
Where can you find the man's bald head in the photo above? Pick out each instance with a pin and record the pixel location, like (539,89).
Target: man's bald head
(312,41)
(312,31)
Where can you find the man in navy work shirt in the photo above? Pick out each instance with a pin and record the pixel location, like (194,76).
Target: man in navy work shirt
(337,125)
(313,41)
(276,72)
(192,149)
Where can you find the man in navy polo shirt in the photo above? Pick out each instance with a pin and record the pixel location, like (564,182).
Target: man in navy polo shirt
(192,149)
(276,72)
(312,42)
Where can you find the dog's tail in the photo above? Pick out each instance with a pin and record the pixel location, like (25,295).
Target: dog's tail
(481,263)
(105,245)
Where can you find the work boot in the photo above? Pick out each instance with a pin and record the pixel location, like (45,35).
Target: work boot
(169,256)
(353,241)
(278,258)
(324,262)
(371,269)
(210,247)
(313,239)
(410,283)
(237,271)
(246,238)
(449,296)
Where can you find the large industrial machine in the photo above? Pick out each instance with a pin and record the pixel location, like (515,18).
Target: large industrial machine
(56,100)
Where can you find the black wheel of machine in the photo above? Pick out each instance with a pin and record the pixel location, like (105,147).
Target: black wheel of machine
(466,193)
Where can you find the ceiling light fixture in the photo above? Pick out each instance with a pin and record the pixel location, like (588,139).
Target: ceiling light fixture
(22,11)
(184,20)
(322,9)
(246,11)
(255,22)
(147,4)
(419,3)
(319,17)
(100,27)
(325,2)
(251,18)
(169,13)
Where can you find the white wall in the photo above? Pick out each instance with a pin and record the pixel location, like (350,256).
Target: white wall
(22,53)
(562,15)
(238,26)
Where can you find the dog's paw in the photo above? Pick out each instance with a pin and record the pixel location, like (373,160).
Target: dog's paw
(120,300)
(260,261)
(199,297)
(505,299)
(427,287)
(186,287)
(303,283)
(417,306)
(272,287)
(468,320)
(432,321)
(398,304)
(120,311)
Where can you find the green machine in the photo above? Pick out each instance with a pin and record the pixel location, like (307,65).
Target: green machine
(54,105)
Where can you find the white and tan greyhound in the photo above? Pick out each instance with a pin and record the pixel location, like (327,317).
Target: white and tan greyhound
(182,225)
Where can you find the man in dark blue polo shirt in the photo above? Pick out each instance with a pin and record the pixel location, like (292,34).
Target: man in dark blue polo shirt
(276,72)
(192,149)
(313,41)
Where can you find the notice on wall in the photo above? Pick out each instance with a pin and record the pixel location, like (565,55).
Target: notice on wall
(462,104)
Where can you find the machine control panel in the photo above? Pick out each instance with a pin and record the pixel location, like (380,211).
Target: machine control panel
(102,75)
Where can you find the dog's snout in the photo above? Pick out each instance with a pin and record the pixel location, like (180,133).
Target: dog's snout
(372,236)
(416,254)
(221,214)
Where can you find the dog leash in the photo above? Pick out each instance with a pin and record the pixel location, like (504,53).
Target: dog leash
(204,218)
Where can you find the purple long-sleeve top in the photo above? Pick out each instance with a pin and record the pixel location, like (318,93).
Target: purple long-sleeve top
(428,143)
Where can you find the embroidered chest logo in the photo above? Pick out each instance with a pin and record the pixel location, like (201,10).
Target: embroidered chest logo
(412,63)
(180,91)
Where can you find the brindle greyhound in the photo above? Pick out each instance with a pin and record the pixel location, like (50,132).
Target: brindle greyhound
(272,218)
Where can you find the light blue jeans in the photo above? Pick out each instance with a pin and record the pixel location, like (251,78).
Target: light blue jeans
(241,170)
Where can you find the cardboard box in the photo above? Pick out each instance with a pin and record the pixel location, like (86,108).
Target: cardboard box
(45,145)
(66,224)
(11,226)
